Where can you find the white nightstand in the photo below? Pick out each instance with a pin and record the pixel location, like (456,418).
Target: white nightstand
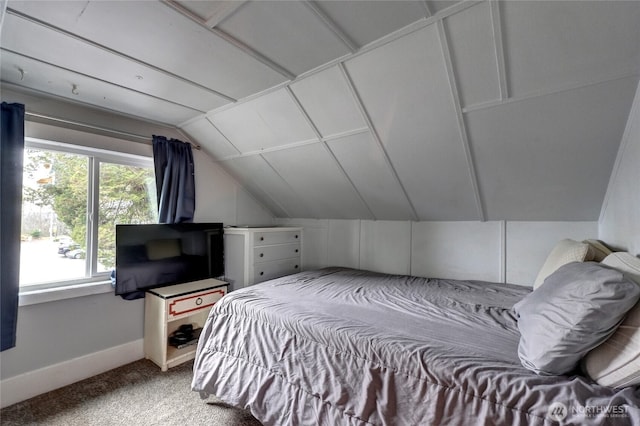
(167,308)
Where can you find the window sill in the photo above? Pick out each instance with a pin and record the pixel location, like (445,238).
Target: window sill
(35,297)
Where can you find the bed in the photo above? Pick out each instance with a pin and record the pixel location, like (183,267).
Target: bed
(342,346)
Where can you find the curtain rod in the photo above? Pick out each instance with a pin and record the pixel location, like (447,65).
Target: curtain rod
(144,138)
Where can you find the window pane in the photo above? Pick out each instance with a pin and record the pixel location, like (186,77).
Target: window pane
(126,195)
(54,211)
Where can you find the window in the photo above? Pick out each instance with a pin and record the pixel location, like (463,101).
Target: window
(72,199)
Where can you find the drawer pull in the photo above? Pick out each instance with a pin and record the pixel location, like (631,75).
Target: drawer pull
(296,236)
(199,301)
(296,267)
(261,238)
(261,254)
(261,273)
(296,250)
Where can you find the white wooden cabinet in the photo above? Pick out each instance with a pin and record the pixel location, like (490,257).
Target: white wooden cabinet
(253,255)
(167,308)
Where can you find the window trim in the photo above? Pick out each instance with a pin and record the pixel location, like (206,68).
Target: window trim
(99,282)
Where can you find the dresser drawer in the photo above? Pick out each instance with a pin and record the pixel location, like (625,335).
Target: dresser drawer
(270,253)
(190,303)
(281,237)
(269,270)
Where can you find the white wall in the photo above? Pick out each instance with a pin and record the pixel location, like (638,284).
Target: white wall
(501,251)
(619,223)
(54,338)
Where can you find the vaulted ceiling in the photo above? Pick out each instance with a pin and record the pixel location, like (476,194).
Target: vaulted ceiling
(397,110)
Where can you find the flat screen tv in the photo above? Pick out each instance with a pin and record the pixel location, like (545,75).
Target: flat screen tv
(157,255)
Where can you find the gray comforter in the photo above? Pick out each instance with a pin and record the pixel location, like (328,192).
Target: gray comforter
(340,346)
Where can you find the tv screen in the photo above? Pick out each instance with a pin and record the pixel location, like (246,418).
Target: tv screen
(149,256)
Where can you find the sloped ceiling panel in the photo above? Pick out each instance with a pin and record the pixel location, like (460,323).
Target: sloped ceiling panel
(163,38)
(405,88)
(211,10)
(472,44)
(326,98)
(366,21)
(263,181)
(319,182)
(288,33)
(48,45)
(365,164)
(208,135)
(47,78)
(466,111)
(269,121)
(567,43)
(550,157)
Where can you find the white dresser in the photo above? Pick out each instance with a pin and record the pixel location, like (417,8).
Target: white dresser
(253,255)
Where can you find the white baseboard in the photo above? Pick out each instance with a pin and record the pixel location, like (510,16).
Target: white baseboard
(24,386)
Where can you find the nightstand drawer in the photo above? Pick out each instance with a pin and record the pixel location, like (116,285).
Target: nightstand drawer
(269,270)
(282,237)
(190,303)
(269,253)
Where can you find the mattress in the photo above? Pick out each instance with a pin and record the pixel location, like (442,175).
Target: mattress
(342,346)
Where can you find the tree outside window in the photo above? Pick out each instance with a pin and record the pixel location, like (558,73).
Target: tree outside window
(62,243)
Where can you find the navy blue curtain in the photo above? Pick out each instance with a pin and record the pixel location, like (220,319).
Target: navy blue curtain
(11,159)
(175,183)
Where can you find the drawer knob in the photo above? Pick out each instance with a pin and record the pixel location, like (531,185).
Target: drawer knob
(199,301)
(296,250)
(296,235)
(261,238)
(261,273)
(296,267)
(261,254)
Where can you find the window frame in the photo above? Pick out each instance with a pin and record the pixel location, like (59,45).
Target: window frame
(94,282)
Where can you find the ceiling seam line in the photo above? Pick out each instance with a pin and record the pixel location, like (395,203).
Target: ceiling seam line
(331,25)
(231,40)
(248,98)
(328,149)
(427,8)
(345,134)
(117,53)
(222,134)
(278,148)
(291,145)
(624,144)
(552,91)
(396,35)
(233,8)
(3,11)
(418,25)
(365,115)
(462,128)
(498,44)
(293,191)
(100,80)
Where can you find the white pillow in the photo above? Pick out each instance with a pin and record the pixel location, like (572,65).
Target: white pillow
(616,362)
(600,251)
(566,251)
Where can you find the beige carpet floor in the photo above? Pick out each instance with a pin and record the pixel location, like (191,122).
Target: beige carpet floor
(134,394)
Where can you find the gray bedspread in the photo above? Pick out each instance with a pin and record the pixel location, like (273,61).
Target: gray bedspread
(341,346)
